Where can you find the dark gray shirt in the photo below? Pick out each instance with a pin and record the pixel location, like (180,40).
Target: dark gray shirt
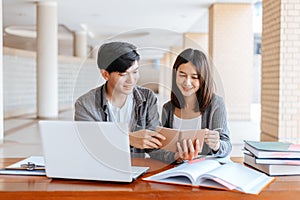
(93,106)
(213,117)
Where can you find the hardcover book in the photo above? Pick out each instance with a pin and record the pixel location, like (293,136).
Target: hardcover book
(173,136)
(273,149)
(275,161)
(272,169)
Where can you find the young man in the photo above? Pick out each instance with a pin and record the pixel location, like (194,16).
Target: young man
(121,100)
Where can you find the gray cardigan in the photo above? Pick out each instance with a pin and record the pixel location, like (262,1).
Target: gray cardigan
(92,106)
(214,116)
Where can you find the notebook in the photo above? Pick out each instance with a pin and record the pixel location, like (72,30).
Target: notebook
(88,150)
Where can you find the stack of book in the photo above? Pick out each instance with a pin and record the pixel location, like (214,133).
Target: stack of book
(273,158)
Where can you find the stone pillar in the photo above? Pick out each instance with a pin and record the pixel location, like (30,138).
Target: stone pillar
(165,76)
(47,43)
(231,50)
(1,78)
(196,41)
(80,44)
(280,94)
(165,72)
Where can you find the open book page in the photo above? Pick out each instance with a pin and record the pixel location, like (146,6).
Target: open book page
(234,176)
(174,135)
(37,160)
(221,160)
(210,173)
(186,173)
(40,172)
(18,168)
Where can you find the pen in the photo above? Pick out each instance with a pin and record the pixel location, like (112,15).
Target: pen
(31,166)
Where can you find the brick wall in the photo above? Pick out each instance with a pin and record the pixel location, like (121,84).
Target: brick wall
(280,71)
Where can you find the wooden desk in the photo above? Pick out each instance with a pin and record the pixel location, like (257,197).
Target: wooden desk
(35,187)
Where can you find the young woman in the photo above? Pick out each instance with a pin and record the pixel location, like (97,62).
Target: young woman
(194,105)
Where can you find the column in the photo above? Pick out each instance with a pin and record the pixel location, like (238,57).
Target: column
(165,72)
(165,76)
(1,78)
(47,78)
(231,50)
(280,94)
(80,44)
(196,41)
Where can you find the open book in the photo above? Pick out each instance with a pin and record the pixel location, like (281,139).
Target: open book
(173,136)
(33,165)
(210,173)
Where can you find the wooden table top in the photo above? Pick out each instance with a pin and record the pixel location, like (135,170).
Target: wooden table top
(41,187)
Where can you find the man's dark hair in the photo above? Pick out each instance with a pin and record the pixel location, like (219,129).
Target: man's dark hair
(117,56)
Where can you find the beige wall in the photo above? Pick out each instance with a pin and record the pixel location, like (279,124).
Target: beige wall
(75,77)
(196,41)
(231,49)
(148,75)
(280,114)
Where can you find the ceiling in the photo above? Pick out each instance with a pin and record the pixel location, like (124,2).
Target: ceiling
(152,25)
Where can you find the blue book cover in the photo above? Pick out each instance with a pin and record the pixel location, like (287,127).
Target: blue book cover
(273,149)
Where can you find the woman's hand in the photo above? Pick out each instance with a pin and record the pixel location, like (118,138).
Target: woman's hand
(187,150)
(212,139)
(145,139)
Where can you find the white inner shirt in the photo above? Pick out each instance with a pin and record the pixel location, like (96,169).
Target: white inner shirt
(187,124)
(121,114)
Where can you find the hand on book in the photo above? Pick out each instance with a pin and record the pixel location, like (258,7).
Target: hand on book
(187,150)
(145,139)
(212,139)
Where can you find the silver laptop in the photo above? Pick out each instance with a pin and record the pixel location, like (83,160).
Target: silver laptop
(88,150)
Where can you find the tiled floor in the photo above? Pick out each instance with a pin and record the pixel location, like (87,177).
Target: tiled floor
(22,138)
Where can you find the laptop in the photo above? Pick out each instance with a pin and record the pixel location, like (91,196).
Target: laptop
(88,150)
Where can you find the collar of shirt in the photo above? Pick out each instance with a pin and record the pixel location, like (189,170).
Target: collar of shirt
(102,103)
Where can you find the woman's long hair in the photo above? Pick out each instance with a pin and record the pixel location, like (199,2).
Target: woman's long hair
(206,90)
